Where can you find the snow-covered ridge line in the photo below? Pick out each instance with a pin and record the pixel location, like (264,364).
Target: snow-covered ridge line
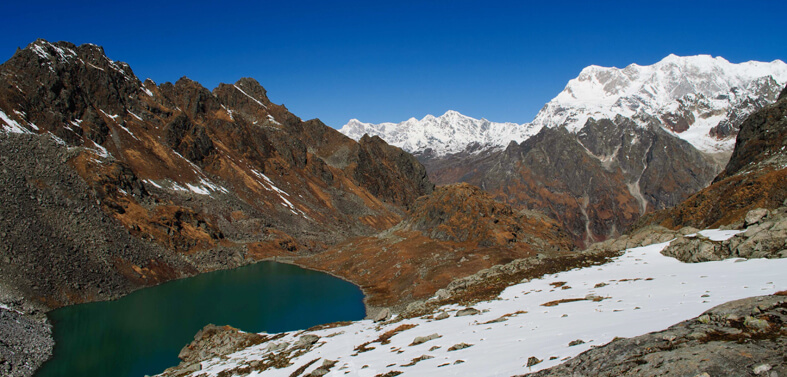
(701,91)
(451,132)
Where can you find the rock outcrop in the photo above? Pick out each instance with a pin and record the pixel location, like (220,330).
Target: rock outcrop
(765,236)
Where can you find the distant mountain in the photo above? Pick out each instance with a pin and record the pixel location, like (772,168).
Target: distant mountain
(449,133)
(700,99)
(755,177)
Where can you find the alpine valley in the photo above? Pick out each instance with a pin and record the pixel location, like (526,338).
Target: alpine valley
(481,248)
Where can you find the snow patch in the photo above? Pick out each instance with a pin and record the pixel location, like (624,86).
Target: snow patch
(12,125)
(252,98)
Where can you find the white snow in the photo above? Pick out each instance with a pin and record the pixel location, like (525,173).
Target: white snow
(642,291)
(152,183)
(135,115)
(6,307)
(273,120)
(12,125)
(252,98)
(147,91)
(271,186)
(100,150)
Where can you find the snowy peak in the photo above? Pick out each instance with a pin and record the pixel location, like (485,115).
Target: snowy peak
(700,99)
(670,79)
(449,133)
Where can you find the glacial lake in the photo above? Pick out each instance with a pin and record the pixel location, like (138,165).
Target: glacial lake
(142,333)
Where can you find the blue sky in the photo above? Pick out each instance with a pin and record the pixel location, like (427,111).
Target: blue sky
(388,61)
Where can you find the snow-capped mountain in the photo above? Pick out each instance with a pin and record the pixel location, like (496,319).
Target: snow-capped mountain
(700,99)
(449,133)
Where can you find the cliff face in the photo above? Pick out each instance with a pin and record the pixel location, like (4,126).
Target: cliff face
(193,180)
(755,177)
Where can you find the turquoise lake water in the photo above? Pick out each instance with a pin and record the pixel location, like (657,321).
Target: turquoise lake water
(143,332)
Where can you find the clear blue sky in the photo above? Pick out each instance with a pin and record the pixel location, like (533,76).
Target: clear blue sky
(388,61)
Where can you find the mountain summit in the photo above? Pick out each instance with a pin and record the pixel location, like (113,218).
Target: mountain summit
(700,99)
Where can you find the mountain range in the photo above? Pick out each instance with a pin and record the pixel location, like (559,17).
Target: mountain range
(700,99)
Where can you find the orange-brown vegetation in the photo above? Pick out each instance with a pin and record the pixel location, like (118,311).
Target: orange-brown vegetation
(454,232)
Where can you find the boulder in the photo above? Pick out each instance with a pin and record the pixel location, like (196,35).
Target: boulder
(754,216)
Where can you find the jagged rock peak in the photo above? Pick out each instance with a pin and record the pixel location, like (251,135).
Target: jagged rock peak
(67,53)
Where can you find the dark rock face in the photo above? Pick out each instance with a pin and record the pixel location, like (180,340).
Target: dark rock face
(763,135)
(383,169)
(740,338)
(190,140)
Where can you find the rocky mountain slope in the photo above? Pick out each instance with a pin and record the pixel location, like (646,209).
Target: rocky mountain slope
(454,232)
(109,184)
(183,169)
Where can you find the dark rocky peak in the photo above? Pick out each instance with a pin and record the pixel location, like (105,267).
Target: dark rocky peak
(191,97)
(253,89)
(762,139)
(55,84)
(783,94)
(390,173)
